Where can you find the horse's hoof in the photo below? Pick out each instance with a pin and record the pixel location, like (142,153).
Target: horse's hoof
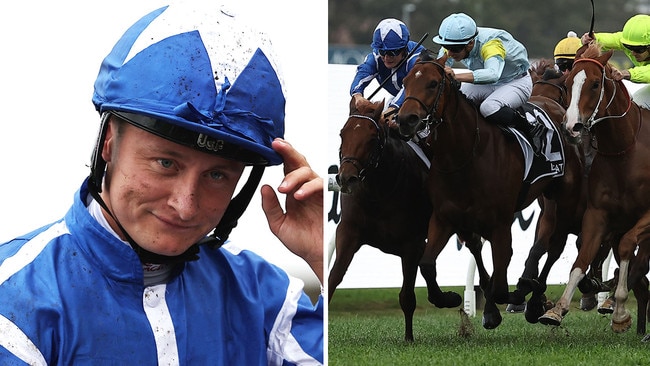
(534,311)
(607,307)
(491,321)
(551,317)
(622,325)
(448,299)
(588,303)
(512,308)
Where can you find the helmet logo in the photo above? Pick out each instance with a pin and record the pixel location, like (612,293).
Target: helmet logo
(206,142)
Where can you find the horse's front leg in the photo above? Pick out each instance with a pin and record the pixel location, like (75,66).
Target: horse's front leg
(639,234)
(407,299)
(347,245)
(621,318)
(437,238)
(593,229)
(501,243)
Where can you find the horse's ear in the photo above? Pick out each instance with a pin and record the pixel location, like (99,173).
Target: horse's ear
(353,106)
(379,111)
(605,57)
(381,104)
(443,60)
(581,50)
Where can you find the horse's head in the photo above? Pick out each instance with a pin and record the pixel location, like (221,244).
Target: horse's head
(591,89)
(424,94)
(362,140)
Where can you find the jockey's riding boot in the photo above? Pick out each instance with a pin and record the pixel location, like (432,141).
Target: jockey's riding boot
(514,118)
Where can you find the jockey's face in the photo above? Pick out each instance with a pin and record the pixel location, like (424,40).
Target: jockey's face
(166,196)
(459,52)
(393,58)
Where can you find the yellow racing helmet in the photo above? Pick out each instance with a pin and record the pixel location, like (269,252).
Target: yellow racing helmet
(567,47)
(636,31)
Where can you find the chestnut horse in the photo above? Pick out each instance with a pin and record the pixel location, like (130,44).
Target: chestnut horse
(384,203)
(549,82)
(476,181)
(619,182)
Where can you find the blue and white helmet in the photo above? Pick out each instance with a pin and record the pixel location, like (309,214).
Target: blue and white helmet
(390,34)
(202,78)
(456,29)
(199,77)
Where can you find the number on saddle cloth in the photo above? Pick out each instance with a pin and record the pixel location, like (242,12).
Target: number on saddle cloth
(551,148)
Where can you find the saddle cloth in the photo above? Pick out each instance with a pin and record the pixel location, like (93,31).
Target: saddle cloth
(551,163)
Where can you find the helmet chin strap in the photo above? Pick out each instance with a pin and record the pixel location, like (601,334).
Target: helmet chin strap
(233,212)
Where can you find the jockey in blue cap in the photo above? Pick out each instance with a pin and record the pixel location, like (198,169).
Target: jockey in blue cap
(137,273)
(386,63)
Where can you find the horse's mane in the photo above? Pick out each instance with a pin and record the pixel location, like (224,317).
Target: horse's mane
(591,50)
(427,55)
(540,66)
(365,105)
(544,69)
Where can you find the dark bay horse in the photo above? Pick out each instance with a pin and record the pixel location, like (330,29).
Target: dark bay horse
(619,182)
(384,203)
(476,181)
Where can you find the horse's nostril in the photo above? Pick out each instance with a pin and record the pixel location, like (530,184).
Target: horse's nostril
(578,127)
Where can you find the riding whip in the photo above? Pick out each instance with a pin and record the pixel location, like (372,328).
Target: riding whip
(593,15)
(399,65)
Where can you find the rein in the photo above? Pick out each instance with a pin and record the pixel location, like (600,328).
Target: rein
(562,100)
(431,110)
(374,157)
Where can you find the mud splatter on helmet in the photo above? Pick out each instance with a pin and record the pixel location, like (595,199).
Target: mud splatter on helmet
(198,75)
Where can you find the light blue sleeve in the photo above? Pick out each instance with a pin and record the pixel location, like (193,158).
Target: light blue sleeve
(491,73)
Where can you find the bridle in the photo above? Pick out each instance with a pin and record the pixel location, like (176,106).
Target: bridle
(592,121)
(562,88)
(431,120)
(373,161)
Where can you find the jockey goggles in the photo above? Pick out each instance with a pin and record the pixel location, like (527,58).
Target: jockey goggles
(392,53)
(636,49)
(455,48)
(564,64)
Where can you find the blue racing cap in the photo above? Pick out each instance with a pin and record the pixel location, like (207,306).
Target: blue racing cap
(199,77)
(390,34)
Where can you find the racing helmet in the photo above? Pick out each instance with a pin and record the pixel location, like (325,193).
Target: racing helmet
(203,78)
(567,47)
(456,29)
(636,31)
(390,34)
(210,82)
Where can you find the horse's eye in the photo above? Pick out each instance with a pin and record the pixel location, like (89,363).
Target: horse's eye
(434,84)
(595,85)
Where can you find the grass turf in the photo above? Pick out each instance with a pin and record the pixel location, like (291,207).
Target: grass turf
(366,327)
